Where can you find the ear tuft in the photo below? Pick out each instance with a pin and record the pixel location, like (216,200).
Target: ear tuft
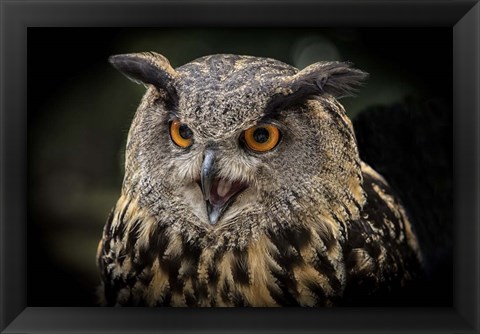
(149,68)
(336,78)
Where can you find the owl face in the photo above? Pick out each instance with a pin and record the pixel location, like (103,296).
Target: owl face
(227,137)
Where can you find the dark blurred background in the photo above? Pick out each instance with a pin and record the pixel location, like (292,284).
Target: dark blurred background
(80,109)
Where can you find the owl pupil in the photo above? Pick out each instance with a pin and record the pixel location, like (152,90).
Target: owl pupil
(185,132)
(261,135)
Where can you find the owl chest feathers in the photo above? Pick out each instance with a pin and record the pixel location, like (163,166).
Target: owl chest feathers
(307,263)
(146,263)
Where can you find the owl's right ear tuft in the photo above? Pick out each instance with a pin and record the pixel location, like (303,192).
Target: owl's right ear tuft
(336,78)
(149,68)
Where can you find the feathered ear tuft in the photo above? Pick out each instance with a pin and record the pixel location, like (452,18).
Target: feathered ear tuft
(336,78)
(149,68)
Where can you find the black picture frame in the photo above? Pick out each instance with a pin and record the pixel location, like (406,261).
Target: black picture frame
(16,16)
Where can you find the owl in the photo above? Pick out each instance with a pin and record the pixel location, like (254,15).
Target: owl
(243,186)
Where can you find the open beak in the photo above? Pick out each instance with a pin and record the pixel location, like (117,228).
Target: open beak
(218,193)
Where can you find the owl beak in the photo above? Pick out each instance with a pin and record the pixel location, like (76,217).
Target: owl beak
(207,177)
(207,173)
(218,193)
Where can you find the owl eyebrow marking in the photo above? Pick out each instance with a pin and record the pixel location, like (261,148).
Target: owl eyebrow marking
(271,118)
(172,115)
(169,101)
(280,102)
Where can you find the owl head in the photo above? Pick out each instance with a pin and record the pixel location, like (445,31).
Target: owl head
(230,141)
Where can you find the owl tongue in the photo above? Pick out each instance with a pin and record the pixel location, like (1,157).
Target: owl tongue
(222,190)
(221,194)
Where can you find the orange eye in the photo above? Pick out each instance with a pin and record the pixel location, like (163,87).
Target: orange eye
(181,134)
(262,138)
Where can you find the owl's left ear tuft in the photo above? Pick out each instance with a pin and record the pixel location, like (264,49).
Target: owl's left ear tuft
(149,68)
(336,78)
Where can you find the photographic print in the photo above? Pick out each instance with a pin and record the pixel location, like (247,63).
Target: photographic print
(241,167)
(394,84)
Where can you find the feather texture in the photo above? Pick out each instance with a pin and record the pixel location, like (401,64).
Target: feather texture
(312,224)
